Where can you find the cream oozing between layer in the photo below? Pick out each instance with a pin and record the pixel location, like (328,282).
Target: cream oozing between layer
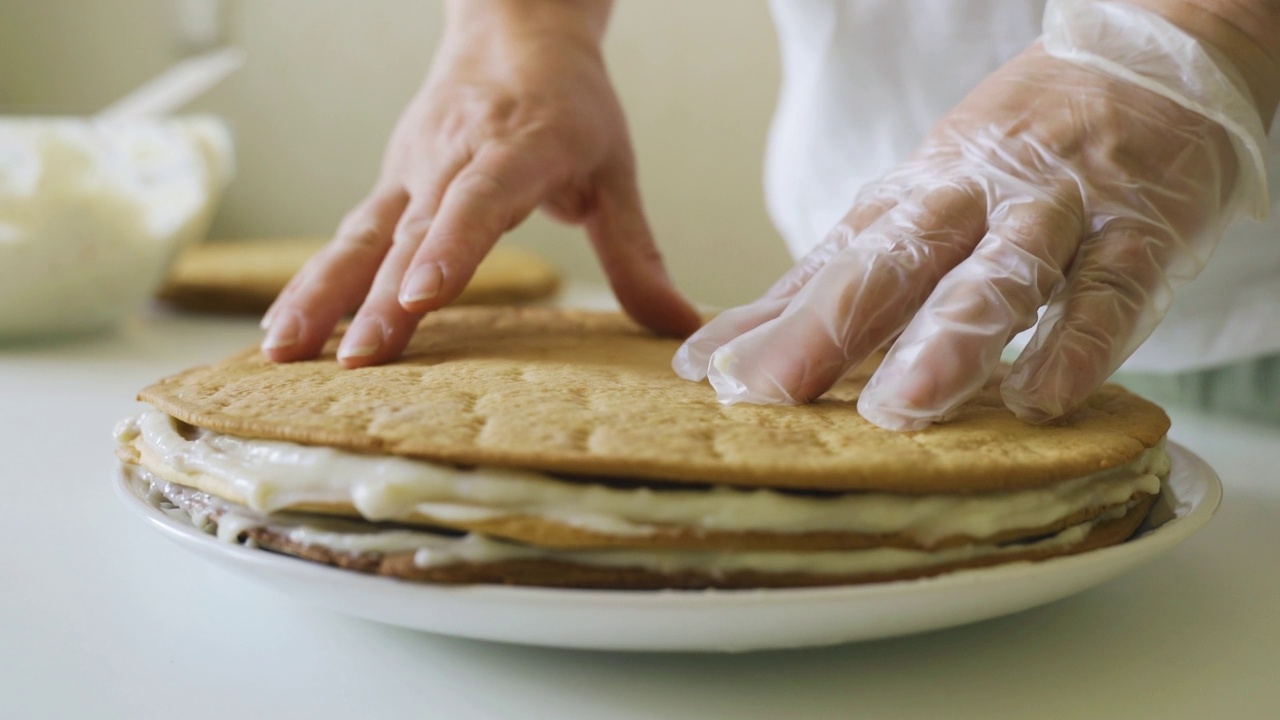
(432,550)
(273,475)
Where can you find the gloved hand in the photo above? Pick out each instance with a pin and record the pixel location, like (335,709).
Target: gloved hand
(516,113)
(1090,175)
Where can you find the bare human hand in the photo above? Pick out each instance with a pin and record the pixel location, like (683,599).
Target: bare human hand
(516,114)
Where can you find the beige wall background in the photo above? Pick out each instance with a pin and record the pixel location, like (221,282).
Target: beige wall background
(325,80)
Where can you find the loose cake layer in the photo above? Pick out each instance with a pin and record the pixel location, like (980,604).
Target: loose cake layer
(415,554)
(246,276)
(588,393)
(535,508)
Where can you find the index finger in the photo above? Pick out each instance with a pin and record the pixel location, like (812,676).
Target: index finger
(855,303)
(493,193)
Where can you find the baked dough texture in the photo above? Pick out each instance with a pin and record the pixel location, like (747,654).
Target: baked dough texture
(588,393)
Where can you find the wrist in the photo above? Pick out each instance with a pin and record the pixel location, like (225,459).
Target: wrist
(578,21)
(1129,41)
(1244,32)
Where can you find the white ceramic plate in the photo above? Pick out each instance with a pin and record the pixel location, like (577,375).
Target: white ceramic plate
(711,620)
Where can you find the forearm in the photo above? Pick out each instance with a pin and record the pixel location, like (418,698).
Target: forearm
(583,20)
(1245,32)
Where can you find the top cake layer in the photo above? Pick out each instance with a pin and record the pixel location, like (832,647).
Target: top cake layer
(589,393)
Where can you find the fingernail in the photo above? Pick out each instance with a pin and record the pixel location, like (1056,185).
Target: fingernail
(423,284)
(890,419)
(895,399)
(689,364)
(900,386)
(285,331)
(265,322)
(362,339)
(1031,408)
(723,361)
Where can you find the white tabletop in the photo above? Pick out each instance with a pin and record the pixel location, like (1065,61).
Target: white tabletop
(102,618)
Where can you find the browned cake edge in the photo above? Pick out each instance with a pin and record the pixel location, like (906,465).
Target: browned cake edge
(550,573)
(549,533)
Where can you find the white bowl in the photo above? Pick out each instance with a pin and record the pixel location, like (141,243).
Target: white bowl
(92,212)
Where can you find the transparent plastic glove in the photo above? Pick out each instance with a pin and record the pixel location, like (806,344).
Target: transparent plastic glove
(517,114)
(1054,184)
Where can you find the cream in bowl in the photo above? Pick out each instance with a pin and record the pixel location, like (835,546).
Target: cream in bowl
(92,211)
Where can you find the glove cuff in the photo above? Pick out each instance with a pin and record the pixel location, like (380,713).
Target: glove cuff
(1142,48)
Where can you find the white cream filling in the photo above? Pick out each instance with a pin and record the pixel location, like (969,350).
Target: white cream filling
(274,475)
(432,550)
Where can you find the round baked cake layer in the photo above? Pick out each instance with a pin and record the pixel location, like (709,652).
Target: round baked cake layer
(245,276)
(588,393)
